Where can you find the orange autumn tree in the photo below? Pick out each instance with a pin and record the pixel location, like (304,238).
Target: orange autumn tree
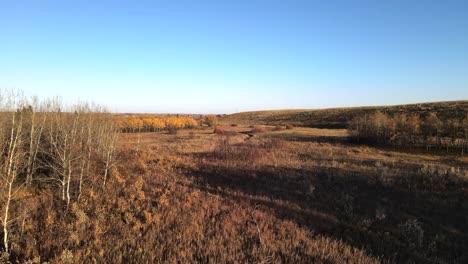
(158,124)
(135,124)
(173,124)
(147,124)
(189,122)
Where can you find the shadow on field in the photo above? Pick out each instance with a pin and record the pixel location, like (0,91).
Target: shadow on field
(396,218)
(311,138)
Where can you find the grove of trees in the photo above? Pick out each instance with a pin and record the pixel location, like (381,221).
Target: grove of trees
(411,130)
(136,124)
(46,144)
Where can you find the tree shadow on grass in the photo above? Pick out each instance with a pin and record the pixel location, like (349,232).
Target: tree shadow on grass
(297,137)
(350,206)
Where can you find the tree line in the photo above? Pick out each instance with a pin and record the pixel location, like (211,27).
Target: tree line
(135,124)
(411,130)
(47,144)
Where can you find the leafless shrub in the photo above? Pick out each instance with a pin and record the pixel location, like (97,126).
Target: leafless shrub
(258,129)
(413,233)
(244,152)
(192,135)
(365,224)
(410,130)
(272,143)
(219,131)
(346,203)
(173,130)
(380,213)
(311,190)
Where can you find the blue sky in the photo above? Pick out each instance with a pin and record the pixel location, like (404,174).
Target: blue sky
(228,56)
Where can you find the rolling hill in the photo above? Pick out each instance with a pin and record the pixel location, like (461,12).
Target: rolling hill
(339,117)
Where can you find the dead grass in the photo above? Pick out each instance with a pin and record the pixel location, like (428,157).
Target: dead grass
(364,199)
(289,196)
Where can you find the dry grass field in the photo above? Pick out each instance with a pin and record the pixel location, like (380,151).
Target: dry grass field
(86,186)
(154,132)
(300,195)
(339,117)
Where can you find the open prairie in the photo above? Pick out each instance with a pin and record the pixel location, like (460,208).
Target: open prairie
(300,195)
(225,132)
(88,186)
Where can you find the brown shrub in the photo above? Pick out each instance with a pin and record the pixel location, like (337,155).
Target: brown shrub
(245,152)
(273,143)
(219,131)
(191,135)
(173,130)
(258,129)
(211,120)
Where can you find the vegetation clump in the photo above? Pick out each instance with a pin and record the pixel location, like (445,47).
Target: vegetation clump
(411,130)
(211,120)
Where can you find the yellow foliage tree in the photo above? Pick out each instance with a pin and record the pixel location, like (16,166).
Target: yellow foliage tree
(153,124)
(211,120)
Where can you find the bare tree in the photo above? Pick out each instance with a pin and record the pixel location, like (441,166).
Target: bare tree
(63,142)
(109,139)
(464,125)
(37,120)
(12,161)
(430,129)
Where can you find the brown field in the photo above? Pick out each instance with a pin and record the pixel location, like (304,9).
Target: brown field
(78,187)
(291,196)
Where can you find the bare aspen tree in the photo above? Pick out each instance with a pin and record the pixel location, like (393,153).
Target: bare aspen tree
(86,138)
(91,128)
(139,138)
(11,161)
(110,137)
(89,124)
(451,128)
(37,120)
(429,129)
(464,125)
(68,142)
(63,146)
(410,130)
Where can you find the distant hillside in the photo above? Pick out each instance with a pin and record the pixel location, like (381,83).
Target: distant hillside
(339,117)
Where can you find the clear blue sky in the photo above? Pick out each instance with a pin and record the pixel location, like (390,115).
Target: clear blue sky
(227,56)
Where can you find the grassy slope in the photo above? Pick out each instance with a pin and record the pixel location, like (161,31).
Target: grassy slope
(339,117)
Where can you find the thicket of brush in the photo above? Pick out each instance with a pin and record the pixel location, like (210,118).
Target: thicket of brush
(411,130)
(66,151)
